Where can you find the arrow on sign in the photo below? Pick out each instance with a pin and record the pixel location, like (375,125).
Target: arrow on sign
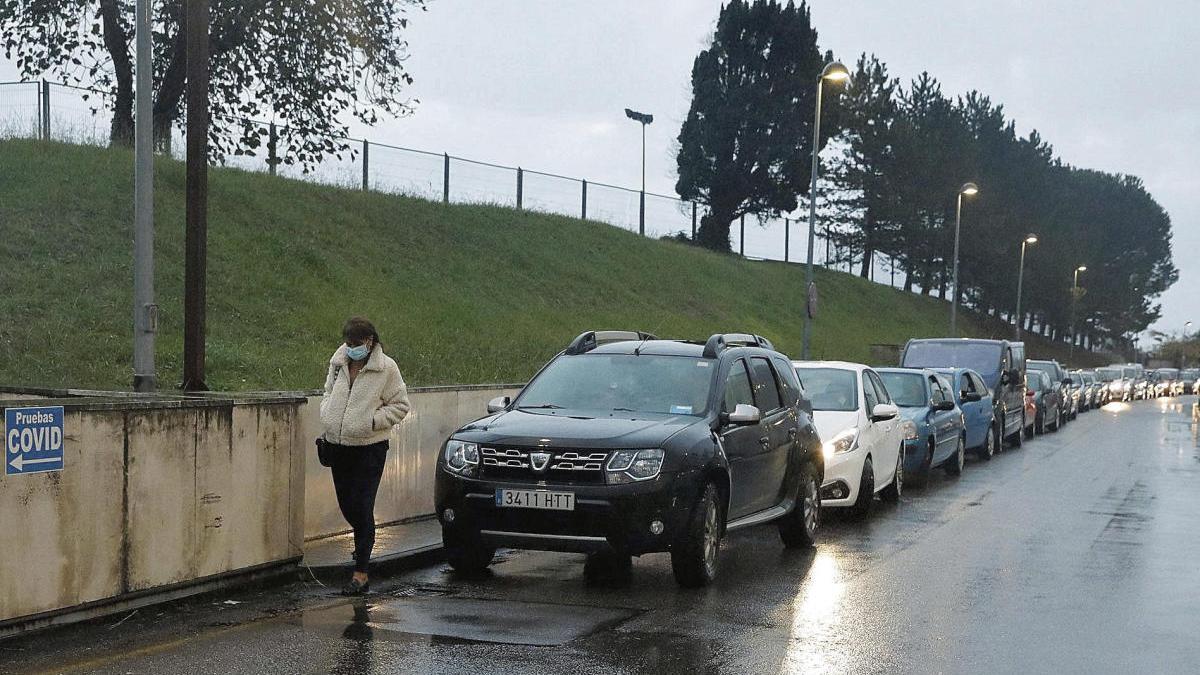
(20,462)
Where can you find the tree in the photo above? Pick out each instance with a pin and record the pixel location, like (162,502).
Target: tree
(308,65)
(862,195)
(745,145)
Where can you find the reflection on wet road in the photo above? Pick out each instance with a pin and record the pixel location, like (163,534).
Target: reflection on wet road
(1075,553)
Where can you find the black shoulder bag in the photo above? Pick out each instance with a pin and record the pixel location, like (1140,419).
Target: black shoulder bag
(325,453)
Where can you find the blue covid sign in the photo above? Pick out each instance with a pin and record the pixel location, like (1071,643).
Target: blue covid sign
(33,440)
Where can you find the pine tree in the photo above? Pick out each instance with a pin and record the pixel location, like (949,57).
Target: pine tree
(744,147)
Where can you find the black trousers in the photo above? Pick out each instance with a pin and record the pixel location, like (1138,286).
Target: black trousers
(356,473)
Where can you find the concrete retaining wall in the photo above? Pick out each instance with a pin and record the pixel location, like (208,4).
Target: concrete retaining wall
(406,491)
(154,494)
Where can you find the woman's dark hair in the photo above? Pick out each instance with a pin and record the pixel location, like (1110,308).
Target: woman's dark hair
(358,328)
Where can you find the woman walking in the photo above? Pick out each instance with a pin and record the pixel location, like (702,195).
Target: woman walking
(364,397)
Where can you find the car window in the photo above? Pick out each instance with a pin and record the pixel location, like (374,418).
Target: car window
(947,387)
(983,386)
(905,389)
(968,385)
(880,390)
(671,385)
(766,390)
(737,387)
(830,388)
(789,385)
(869,395)
(938,394)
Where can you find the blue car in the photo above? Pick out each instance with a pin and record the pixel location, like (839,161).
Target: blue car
(934,430)
(975,400)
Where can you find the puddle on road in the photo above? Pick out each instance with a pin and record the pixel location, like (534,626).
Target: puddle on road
(467,619)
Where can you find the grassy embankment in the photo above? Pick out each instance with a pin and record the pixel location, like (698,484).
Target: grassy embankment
(461,294)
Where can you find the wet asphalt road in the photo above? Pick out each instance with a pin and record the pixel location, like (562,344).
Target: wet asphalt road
(1078,553)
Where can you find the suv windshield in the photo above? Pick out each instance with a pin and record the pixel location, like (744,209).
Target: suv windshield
(1108,374)
(980,357)
(673,385)
(833,389)
(907,389)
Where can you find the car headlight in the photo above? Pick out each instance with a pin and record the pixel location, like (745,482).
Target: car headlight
(910,430)
(628,466)
(462,457)
(843,442)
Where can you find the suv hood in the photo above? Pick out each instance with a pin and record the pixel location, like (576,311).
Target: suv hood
(561,429)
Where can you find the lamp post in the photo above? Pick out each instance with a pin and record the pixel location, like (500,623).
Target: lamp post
(644,119)
(1074,299)
(834,72)
(1029,239)
(1183,348)
(968,189)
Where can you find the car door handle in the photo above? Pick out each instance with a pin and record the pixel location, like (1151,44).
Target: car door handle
(765,440)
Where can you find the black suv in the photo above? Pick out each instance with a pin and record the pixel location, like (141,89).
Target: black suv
(625,444)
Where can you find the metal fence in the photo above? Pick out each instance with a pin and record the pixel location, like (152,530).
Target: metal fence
(49,110)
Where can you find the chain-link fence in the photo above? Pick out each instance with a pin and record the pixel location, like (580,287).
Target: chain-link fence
(49,110)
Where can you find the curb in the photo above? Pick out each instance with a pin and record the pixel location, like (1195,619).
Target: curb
(389,564)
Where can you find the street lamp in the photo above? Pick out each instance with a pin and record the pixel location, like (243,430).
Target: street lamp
(1029,239)
(1074,299)
(644,119)
(970,190)
(833,72)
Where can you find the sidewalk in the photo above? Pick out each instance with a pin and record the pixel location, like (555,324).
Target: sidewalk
(397,548)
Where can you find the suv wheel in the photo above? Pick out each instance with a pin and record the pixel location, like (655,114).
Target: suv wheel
(954,466)
(694,557)
(798,529)
(892,492)
(466,552)
(866,491)
(1018,439)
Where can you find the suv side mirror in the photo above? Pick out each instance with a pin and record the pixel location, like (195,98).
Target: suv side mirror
(497,404)
(943,405)
(1005,376)
(744,414)
(884,411)
(1068,381)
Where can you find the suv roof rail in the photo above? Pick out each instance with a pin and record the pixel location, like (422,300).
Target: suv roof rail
(719,342)
(588,341)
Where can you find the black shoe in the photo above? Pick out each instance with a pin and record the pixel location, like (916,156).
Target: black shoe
(356,587)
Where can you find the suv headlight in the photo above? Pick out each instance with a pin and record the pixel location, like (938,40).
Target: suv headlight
(628,466)
(910,430)
(462,457)
(843,442)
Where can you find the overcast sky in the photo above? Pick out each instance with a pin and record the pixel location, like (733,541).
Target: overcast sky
(1112,85)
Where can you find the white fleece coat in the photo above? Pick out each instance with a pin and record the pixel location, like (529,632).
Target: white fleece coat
(363,413)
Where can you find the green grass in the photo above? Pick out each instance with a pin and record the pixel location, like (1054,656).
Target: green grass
(460,294)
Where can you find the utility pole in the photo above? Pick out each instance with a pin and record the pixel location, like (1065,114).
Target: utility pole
(196,238)
(145,313)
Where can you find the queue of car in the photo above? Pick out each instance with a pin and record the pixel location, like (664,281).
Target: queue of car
(625,444)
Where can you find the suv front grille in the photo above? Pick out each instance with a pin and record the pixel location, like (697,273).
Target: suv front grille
(564,466)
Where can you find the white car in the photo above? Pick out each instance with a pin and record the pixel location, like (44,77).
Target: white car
(862,433)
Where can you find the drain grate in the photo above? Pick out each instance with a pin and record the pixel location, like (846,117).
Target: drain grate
(422,591)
